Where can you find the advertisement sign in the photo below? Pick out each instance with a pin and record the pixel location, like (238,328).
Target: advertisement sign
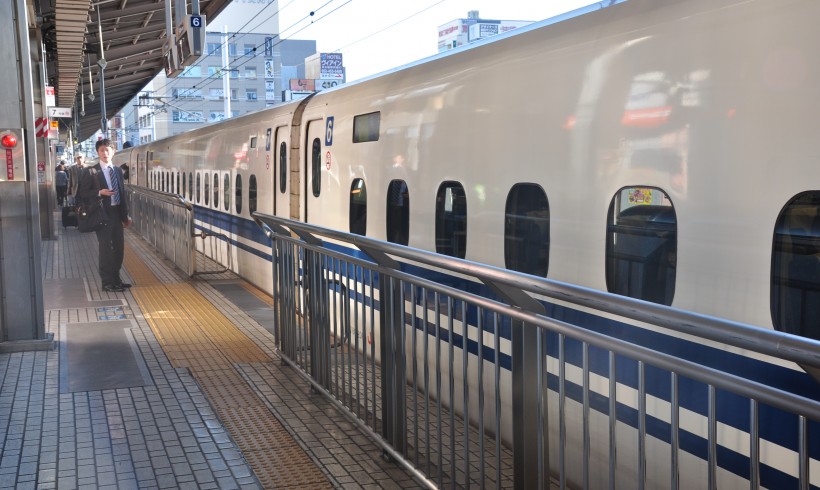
(270,91)
(268,68)
(331,65)
(324,84)
(301,85)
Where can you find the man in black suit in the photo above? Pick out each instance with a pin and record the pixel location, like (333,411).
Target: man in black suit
(105,180)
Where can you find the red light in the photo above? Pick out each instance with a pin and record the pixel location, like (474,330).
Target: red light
(8,140)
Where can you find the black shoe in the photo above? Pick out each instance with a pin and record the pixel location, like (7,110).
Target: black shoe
(125,285)
(113,288)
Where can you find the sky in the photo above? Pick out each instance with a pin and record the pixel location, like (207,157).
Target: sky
(377,35)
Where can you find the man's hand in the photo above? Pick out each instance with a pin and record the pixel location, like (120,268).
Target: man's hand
(127,223)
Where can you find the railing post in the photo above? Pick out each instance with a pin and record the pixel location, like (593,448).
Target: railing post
(530,448)
(394,409)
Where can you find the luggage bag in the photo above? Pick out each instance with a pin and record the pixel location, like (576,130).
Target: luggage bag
(69,216)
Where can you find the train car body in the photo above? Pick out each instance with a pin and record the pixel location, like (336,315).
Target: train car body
(693,120)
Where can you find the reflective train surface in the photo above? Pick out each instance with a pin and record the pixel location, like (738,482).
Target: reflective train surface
(663,150)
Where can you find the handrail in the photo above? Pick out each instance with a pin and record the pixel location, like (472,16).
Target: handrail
(765,341)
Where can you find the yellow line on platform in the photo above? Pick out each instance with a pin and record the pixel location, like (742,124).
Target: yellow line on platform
(196,335)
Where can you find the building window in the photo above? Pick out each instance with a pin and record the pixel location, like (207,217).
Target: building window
(527,230)
(187,116)
(214,71)
(316,161)
(250,72)
(252,194)
(231,49)
(215,116)
(214,49)
(641,245)
(249,49)
(183,93)
(250,93)
(795,291)
(358,207)
(238,195)
(215,93)
(191,72)
(234,96)
(398,212)
(451,220)
(283,167)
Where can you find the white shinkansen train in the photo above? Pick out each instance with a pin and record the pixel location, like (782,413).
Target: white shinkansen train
(663,150)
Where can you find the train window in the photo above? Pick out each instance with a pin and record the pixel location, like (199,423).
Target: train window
(198,188)
(358,207)
(398,212)
(527,230)
(641,245)
(207,193)
(366,127)
(252,194)
(178,187)
(238,200)
(183,186)
(226,190)
(253,141)
(795,292)
(162,181)
(451,220)
(283,167)
(216,190)
(316,160)
(191,186)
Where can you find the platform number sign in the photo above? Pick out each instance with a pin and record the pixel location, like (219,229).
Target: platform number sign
(329,131)
(196,21)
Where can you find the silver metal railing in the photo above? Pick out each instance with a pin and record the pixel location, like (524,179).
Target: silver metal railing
(537,401)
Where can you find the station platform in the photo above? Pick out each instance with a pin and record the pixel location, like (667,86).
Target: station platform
(174,383)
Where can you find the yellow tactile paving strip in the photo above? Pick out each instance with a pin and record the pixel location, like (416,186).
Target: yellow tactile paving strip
(197,336)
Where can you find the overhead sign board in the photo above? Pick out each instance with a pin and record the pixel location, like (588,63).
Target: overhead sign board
(59,112)
(331,65)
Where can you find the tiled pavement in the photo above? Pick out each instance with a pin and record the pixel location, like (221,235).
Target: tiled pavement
(162,435)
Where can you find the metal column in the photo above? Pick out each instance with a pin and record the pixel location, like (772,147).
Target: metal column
(22,323)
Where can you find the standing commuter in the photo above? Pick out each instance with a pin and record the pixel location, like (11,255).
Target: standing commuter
(61,182)
(74,172)
(104,180)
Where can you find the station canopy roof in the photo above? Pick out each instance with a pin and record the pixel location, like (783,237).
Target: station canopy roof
(133,33)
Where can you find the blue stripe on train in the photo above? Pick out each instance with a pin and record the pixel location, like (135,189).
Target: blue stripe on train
(777,427)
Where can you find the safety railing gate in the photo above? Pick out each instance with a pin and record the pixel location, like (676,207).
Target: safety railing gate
(463,377)
(166,221)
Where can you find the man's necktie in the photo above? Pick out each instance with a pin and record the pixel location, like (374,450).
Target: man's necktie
(115,186)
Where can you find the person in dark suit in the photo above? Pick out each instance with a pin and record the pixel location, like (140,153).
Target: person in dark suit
(105,181)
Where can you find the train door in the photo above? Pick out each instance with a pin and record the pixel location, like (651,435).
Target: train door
(315,178)
(281,175)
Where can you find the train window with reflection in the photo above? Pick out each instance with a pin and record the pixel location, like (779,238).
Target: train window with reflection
(216,190)
(191,186)
(795,292)
(184,188)
(207,192)
(283,167)
(238,195)
(316,160)
(178,186)
(527,230)
(162,181)
(226,190)
(642,245)
(358,207)
(366,127)
(451,220)
(198,188)
(398,212)
(252,194)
